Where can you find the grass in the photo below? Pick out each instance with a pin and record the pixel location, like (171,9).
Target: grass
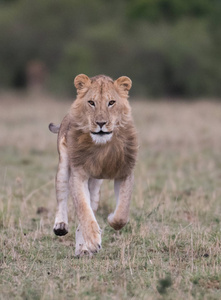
(171,248)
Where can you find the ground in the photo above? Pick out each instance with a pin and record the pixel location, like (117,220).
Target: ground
(171,248)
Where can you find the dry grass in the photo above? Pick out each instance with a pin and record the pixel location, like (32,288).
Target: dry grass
(171,249)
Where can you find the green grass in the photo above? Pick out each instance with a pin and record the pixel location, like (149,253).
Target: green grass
(171,248)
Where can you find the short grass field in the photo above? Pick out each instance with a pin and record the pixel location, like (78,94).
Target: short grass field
(170,249)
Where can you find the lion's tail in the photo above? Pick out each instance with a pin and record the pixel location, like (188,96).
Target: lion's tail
(54,128)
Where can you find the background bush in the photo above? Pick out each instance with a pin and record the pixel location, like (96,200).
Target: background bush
(167,47)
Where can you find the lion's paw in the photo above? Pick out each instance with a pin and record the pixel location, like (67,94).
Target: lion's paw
(60,228)
(116,223)
(92,236)
(80,247)
(82,250)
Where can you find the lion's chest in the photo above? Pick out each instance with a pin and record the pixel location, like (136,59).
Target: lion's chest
(114,159)
(105,162)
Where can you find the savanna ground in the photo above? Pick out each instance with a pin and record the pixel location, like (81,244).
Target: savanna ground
(171,248)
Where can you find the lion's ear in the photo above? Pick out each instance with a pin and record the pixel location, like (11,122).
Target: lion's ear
(123,83)
(82,82)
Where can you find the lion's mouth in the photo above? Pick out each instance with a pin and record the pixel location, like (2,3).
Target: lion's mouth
(101,132)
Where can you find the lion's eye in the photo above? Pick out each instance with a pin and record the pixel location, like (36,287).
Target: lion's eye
(111,103)
(91,103)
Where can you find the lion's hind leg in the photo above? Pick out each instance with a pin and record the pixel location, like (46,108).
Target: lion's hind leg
(123,191)
(94,186)
(62,190)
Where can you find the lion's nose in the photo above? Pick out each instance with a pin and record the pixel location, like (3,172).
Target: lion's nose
(101,124)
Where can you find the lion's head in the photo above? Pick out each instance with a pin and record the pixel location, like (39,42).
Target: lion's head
(101,106)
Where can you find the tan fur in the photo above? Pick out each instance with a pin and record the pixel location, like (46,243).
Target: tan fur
(100,142)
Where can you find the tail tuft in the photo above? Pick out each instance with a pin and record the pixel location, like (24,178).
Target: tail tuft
(54,128)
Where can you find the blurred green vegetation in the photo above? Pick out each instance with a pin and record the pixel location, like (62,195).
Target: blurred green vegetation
(167,47)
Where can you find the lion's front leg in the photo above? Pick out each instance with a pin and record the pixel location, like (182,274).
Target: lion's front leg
(89,230)
(62,190)
(94,190)
(80,244)
(123,191)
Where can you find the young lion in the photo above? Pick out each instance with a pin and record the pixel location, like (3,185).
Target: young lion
(96,141)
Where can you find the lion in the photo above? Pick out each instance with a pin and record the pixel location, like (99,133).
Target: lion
(96,140)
